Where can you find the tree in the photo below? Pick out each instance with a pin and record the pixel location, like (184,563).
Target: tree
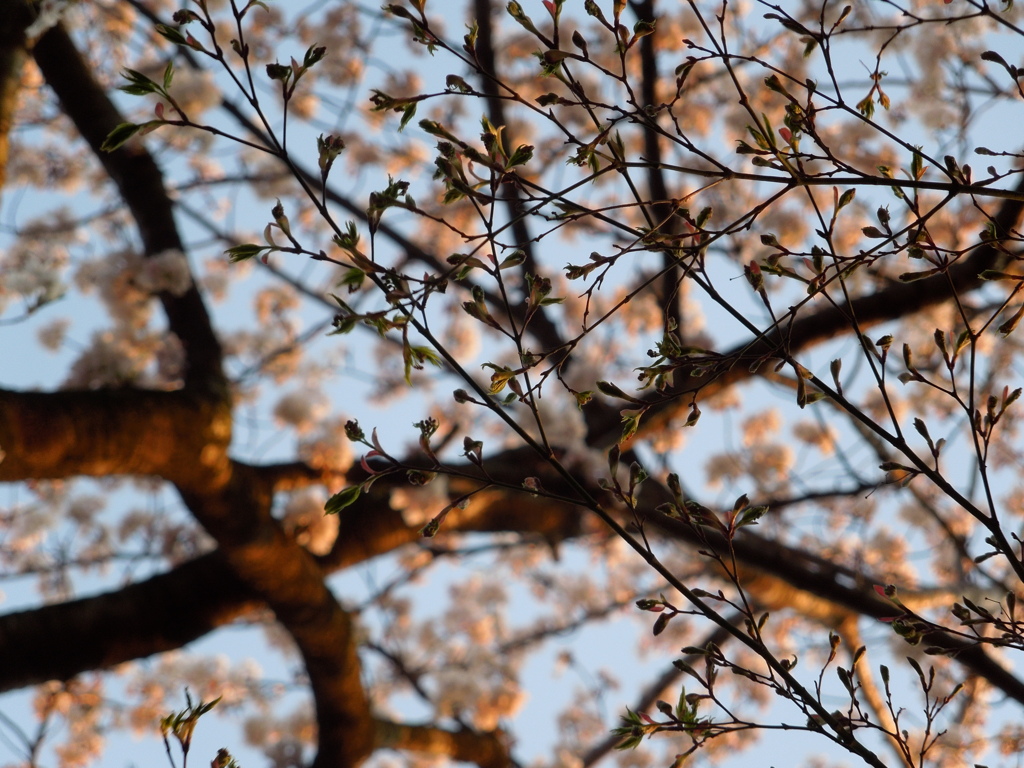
(771,415)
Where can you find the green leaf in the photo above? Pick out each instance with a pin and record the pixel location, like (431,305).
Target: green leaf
(661,623)
(630,424)
(342,499)
(994,274)
(501,376)
(1011,397)
(909,277)
(917,164)
(607,388)
(280,72)
(353,279)
(1010,325)
(138,83)
(397,10)
(515,10)
(314,54)
(643,28)
(171,34)
(751,515)
(522,155)
(514,259)
(547,99)
(693,417)
(408,113)
(592,9)
(637,474)
(117,137)
(246,251)
(613,459)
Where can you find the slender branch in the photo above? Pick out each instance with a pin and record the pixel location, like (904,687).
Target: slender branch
(898,300)
(653,692)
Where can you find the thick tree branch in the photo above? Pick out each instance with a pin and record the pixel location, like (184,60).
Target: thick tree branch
(776,575)
(140,184)
(237,513)
(487,750)
(15,16)
(191,600)
(288,578)
(162,613)
(180,436)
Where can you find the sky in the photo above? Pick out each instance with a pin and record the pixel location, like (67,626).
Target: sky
(603,646)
